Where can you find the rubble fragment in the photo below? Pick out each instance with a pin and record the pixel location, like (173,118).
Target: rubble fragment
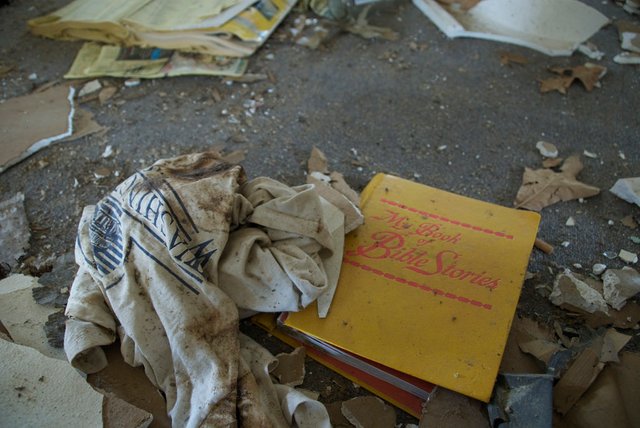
(570,222)
(628,256)
(627,189)
(543,187)
(598,268)
(548,150)
(619,285)
(14,230)
(89,88)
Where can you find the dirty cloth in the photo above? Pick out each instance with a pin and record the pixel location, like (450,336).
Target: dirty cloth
(167,261)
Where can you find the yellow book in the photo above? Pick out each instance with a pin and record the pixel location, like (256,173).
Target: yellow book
(429,285)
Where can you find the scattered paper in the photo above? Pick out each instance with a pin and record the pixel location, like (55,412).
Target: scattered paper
(576,380)
(620,285)
(14,230)
(32,122)
(95,60)
(570,289)
(536,340)
(627,189)
(290,369)
(590,50)
(589,75)
(543,187)
(550,26)
(106,94)
(627,58)
(369,412)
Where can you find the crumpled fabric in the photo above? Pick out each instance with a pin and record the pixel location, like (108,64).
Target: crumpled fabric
(169,260)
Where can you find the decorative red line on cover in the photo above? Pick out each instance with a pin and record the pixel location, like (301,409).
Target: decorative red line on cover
(446,219)
(434,291)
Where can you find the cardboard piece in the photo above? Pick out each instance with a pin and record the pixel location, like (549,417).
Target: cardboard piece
(412,263)
(369,412)
(40,391)
(543,187)
(14,230)
(553,27)
(449,409)
(32,122)
(23,318)
(84,125)
(130,384)
(612,400)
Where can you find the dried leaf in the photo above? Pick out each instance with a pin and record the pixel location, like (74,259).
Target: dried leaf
(589,75)
(544,187)
(508,58)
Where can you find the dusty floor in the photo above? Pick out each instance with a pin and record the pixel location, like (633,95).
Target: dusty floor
(371,106)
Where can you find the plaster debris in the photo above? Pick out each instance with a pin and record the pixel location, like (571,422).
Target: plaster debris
(570,222)
(90,88)
(589,154)
(108,151)
(627,189)
(628,256)
(569,288)
(549,26)
(548,150)
(598,268)
(590,50)
(620,285)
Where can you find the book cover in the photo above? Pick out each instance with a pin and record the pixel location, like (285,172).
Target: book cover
(429,285)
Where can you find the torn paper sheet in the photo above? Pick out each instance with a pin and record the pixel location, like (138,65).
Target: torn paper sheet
(32,122)
(627,189)
(515,360)
(179,247)
(553,27)
(23,317)
(544,187)
(536,340)
(95,60)
(620,285)
(369,411)
(300,410)
(84,125)
(629,34)
(14,230)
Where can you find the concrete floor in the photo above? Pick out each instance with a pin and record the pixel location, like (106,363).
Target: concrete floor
(371,106)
